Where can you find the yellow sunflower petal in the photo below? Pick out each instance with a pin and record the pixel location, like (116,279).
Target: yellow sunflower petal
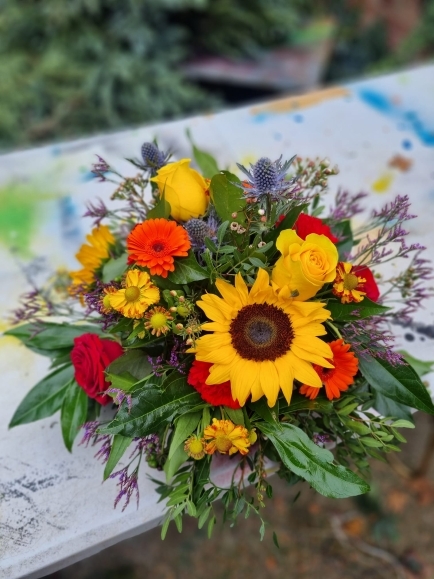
(303,371)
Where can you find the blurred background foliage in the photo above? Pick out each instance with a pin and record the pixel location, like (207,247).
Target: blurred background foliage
(76,67)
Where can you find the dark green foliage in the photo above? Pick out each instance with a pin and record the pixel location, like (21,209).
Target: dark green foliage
(89,65)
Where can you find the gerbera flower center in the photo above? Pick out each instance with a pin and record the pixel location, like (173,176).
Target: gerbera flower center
(158,246)
(261,332)
(351,281)
(132,293)
(223,443)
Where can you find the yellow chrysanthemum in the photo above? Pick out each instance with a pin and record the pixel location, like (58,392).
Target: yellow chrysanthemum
(92,255)
(138,294)
(195,447)
(262,340)
(226,437)
(158,321)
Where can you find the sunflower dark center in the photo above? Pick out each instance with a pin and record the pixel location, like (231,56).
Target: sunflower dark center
(261,332)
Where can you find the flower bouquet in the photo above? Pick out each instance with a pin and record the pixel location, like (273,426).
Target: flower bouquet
(229,321)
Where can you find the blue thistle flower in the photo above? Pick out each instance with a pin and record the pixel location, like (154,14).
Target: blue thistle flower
(267,177)
(153,158)
(197,230)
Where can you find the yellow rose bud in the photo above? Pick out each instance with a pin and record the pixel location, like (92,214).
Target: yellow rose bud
(305,266)
(184,188)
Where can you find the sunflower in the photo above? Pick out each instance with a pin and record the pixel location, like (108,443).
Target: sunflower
(339,378)
(155,242)
(137,295)
(348,285)
(92,255)
(226,437)
(261,340)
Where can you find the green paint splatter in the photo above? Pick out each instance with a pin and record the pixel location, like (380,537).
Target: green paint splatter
(20,215)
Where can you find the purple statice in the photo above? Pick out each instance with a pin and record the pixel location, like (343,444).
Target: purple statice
(346,206)
(128,486)
(160,365)
(98,212)
(32,307)
(320,439)
(267,178)
(368,337)
(153,158)
(90,433)
(120,396)
(104,452)
(178,349)
(100,168)
(157,365)
(147,445)
(388,220)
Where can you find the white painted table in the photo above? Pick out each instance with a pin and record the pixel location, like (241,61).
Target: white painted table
(54,509)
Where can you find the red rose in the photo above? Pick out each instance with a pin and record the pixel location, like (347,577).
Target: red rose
(370,285)
(307,224)
(215,394)
(90,357)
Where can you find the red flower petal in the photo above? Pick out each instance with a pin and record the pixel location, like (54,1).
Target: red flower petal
(307,224)
(215,394)
(370,286)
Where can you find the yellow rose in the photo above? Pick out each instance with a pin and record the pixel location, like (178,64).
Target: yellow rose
(184,188)
(305,266)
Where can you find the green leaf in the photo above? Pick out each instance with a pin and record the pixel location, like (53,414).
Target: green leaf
(187,270)
(262,409)
(45,398)
(399,383)
(388,407)
(420,366)
(307,460)
(286,223)
(172,464)
(275,541)
(52,336)
(119,446)
(114,268)
(184,427)
(134,361)
(73,413)
(161,210)
(227,197)
(364,309)
(122,381)
(152,407)
(236,415)
(206,162)
(403,424)
(344,232)
(358,427)
(299,402)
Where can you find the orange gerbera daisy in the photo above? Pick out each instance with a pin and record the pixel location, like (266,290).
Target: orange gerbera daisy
(155,242)
(348,285)
(337,379)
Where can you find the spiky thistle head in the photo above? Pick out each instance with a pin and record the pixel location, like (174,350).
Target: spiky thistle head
(153,158)
(267,177)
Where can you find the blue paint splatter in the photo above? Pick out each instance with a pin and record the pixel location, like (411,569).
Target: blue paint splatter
(69,219)
(405,118)
(277,136)
(260,117)
(298,118)
(407,144)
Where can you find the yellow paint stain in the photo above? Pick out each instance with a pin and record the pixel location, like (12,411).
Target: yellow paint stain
(294,103)
(382,184)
